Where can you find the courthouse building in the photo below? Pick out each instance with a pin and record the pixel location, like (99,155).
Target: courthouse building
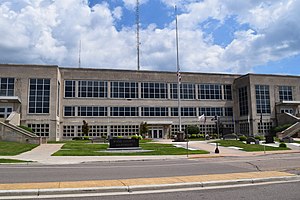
(54,100)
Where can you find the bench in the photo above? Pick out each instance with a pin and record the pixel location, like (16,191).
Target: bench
(98,140)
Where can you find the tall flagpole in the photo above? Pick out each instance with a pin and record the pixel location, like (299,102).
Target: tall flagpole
(178,73)
(138,34)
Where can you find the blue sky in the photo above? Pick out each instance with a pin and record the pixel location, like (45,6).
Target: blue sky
(223,36)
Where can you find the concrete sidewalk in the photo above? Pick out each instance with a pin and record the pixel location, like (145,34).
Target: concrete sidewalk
(142,184)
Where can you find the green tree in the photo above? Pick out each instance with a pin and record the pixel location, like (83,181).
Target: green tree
(85,128)
(144,129)
(192,129)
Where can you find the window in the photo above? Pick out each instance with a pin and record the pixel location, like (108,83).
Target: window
(69,111)
(5,112)
(154,90)
(68,131)
(41,130)
(92,89)
(92,111)
(228,111)
(124,111)
(243,101)
(155,111)
(126,90)
(39,96)
(207,128)
(211,111)
(264,128)
(185,111)
(69,88)
(244,128)
(124,130)
(262,99)
(209,91)
(285,93)
(175,128)
(227,92)
(187,91)
(7,86)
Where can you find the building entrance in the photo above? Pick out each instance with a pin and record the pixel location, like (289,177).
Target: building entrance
(156,133)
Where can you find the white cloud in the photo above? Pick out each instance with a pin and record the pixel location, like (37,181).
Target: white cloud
(47,31)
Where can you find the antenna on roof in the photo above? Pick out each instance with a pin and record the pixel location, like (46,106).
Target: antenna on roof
(79,55)
(137,17)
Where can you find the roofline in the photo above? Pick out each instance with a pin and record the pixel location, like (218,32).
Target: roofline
(23,65)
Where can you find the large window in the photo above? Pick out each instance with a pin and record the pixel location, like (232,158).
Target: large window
(124,90)
(154,90)
(285,93)
(155,111)
(92,111)
(228,111)
(227,92)
(243,101)
(211,111)
(94,89)
(69,88)
(39,96)
(187,91)
(7,86)
(264,128)
(209,91)
(69,111)
(262,99)
(185,111)
(41,130)
(124,130)
(124,111)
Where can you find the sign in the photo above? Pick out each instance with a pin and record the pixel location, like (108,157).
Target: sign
(123,143)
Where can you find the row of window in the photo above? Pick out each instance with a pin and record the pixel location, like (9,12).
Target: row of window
(99,89)
(96,111)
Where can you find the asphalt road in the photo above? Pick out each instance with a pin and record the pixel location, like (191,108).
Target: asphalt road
(140,169)
(254,192)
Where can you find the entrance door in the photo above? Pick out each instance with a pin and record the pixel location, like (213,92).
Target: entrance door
(5,112)
(157,133)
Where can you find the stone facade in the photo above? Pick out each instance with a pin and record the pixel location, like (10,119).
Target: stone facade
(100,96)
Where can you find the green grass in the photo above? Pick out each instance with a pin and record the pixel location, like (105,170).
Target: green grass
(13,161)
(85,148)
(248,147)
(14,148)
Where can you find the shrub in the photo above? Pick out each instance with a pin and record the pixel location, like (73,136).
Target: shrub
(26,128)
(193,135)
(86,138)
(200,135)
(242,138)
(258,137)
(192,129)
(77,138)
(282,144)
(277,129)
(137,137)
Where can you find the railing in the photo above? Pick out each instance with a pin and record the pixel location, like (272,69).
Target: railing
(291,131)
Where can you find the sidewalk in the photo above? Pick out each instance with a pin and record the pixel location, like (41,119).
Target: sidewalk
(97,187)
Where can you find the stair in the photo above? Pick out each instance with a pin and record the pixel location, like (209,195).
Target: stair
(10,132)
(292,131)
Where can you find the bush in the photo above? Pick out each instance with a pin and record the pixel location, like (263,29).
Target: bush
(200,135)
(77,138)
(282,144)
(192,129)
(242,138)
(193,135)
(137,137)
(86,138)
(277,129)
(258,137)
(26,128)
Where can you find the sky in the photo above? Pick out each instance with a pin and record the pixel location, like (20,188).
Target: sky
(222,36)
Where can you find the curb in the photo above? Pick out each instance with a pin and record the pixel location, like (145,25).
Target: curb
(5,194)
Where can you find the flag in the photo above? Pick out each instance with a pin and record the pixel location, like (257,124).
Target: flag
(201,118)
(179,77)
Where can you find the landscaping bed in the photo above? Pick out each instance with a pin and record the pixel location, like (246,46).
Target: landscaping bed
(248,147)
(85,148)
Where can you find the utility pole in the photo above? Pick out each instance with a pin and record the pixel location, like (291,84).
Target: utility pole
(137,17)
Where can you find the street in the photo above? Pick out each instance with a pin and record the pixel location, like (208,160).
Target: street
(143,169)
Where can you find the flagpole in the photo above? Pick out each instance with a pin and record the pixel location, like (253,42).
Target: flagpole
(178,73)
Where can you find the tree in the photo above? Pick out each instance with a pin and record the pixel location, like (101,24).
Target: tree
(192,129)
(144,129)
(85,128)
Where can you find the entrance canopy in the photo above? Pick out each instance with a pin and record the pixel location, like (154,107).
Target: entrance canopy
(9,99)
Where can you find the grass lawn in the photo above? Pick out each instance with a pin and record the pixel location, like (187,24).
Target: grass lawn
(85,148)
(248,147)
(14,148)
(13,161)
